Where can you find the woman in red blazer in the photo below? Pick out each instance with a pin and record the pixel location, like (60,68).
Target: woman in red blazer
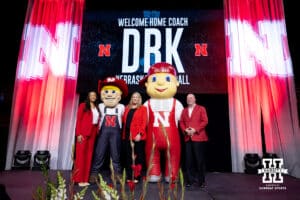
(87,124)
(192,123)
(134,136)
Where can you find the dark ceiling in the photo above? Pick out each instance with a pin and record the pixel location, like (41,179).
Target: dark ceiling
(153,4)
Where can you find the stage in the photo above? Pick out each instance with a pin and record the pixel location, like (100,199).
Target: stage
(21,185)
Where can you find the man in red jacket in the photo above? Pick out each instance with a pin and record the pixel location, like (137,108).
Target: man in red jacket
(192,122)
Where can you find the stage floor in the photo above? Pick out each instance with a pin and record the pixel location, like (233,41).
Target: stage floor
(21,185)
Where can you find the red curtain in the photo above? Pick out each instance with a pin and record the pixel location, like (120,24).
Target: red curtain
(260,83)
(45,101)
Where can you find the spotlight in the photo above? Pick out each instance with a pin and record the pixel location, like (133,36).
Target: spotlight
(22,160)
(41,160)
(252,163)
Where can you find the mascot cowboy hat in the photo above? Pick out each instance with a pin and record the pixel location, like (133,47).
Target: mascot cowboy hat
(113,81)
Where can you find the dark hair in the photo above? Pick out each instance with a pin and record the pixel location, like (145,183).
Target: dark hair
(87,102)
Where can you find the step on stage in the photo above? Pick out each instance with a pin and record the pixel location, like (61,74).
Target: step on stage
(22,184)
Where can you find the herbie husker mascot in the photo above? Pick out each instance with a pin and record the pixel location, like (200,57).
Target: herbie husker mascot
(163,115)
(111,90)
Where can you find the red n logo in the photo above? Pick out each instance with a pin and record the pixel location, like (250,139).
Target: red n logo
(201,49)
(104,50)
(110,121)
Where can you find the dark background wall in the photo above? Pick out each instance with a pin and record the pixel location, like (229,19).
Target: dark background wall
(219,158)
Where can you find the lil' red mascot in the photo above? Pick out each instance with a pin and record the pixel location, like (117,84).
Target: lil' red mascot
(163,115)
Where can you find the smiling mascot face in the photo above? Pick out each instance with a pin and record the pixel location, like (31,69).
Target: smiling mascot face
(161,85)
(111,95)
(112,90)
(161,81)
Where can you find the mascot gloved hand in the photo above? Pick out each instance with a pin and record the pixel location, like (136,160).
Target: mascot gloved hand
(163,115)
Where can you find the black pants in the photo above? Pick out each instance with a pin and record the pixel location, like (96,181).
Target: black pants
(139,151)
(195,162)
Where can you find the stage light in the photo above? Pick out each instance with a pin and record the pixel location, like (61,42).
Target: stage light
(22,160)
(252,163)
(41,160)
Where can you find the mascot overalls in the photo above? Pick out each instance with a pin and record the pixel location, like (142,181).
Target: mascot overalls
(111,90)
(163,115)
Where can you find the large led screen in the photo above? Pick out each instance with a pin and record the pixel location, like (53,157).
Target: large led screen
(126,43)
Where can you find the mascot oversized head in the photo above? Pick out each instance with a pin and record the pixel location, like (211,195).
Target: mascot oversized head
(112,90)
(163,115)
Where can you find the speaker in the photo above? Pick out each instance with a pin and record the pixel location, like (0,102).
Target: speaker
(22,160)
(252,163)
(41,160)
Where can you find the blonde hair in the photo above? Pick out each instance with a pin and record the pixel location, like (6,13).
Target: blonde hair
(139,101)
(111,87)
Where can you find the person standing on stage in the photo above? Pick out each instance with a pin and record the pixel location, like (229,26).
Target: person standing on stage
(193,122)
(134,136)
(88,116)
(111,90)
